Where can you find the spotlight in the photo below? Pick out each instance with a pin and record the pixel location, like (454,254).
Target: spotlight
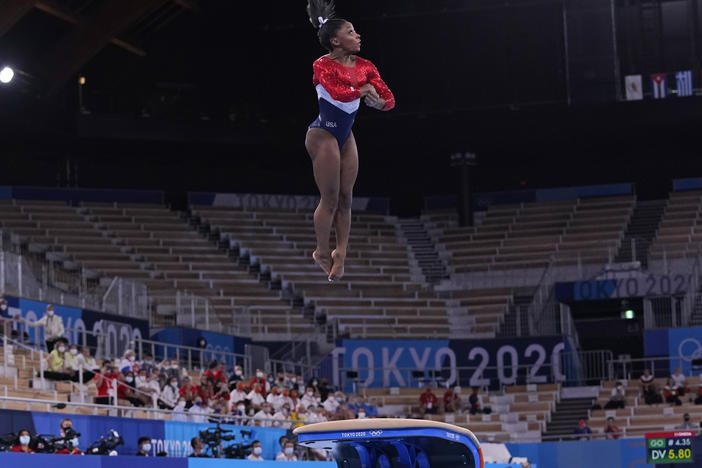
(6,75)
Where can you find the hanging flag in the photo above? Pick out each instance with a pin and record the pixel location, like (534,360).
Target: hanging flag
(634,88)
(684,81)
(659,83)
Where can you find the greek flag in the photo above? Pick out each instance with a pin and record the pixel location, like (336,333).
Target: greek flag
(659,84)
(684,81)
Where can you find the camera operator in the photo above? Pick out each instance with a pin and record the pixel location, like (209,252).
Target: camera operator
(144,444)
(256,450)
(23,440)
(68,438)
(197,446)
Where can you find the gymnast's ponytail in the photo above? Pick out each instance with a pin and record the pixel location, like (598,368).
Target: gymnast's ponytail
(323,18)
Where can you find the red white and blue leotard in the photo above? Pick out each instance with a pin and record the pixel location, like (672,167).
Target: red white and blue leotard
(338,90)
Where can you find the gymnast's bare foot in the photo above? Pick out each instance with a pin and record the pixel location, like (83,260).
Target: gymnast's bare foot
(337,270)
(324,261)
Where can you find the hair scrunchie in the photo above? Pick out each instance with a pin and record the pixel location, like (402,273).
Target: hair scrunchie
(322,21)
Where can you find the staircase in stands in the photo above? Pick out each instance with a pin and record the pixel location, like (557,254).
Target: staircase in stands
(566,417)
(423,249)
(641,231)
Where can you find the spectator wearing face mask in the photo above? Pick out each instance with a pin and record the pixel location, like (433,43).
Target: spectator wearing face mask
(260,379)
(75,365)
(148,363)
(144,444)
(170,369)
(256,451)
(309,398)
(179,410)
(129,363)
(264,416)
(428,402)
(281,416)
(87,363)
(104,381)
(239,414)
(169,396)
(23,440)
(275,399)
(239,394)
(256,398)
(56,362)
(198,412)
(287,454)
(53,326)
(236,377)
(188,391)
(126,390)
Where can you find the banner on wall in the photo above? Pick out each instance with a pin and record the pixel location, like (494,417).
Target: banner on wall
(684,346)
(494,362)
(114,332)
(166,436)
(644,286)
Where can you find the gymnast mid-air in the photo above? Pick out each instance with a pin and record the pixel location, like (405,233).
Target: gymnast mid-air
(342,79)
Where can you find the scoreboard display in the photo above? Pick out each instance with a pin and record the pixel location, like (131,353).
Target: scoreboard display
(669,447)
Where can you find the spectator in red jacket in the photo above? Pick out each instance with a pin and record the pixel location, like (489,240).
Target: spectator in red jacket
(428,402)
(216,372)
(23,441)
(452,401)
(104,381)
(261,380)
(188,391)
(612,430)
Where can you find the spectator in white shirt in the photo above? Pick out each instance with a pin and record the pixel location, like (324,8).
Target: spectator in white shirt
(255,397)
(53,326)
(264,417)
(170,395)
(198,412)
(256,451)
(679,381)
(129,362)
(281,416)
(287,454)
(239,414)
(148,363)
(179,410)
(332,403)
(238,394)
(309,398)
(275,398)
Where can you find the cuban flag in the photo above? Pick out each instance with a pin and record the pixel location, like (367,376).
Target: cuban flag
(684,82)
(659,83)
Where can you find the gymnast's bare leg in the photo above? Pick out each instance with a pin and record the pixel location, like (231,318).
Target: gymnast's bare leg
(342,220)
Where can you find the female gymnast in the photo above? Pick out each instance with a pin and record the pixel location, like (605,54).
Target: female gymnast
(341,79)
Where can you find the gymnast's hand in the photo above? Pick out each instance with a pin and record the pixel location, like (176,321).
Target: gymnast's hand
(375,102)
(369,90)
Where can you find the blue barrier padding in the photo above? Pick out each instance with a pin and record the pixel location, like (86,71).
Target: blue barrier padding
(692,183)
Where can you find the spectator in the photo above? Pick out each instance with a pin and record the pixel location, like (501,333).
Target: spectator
(288,453)
(255,397)
(428,402)
(169,396)
(275,399)
(256,451)
(332,404)
(582,430)
(452,402)
(309,398)
(196,444)
(144,444)
(87,363)
(218,411)
(148,363)
(679,381)
(286,398)
(475,401)
(53,326)
(324,389)
(221,393)
(141,382)
(238,394)
(648,388)
(281,416)
(687,423)
(264,417)
(206,390)
(236,377)
(188,391)
(198,412)
(179,410)
(617,398)
(104,383)
(215,371)
(128,363)
(56,363)
(260,379)
(170,369)
(611,429)
(126,390)
(23,440)
(670,392)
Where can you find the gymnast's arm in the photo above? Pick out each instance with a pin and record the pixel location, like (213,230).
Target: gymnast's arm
(387,99)
(337,88)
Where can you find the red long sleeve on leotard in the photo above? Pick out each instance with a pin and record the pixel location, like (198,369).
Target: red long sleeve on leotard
(343,83)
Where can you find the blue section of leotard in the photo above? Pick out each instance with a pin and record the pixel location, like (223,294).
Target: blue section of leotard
(335,121)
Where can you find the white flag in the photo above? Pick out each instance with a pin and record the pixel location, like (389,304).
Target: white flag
(634,88)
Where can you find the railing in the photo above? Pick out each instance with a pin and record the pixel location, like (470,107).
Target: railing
(626,368)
